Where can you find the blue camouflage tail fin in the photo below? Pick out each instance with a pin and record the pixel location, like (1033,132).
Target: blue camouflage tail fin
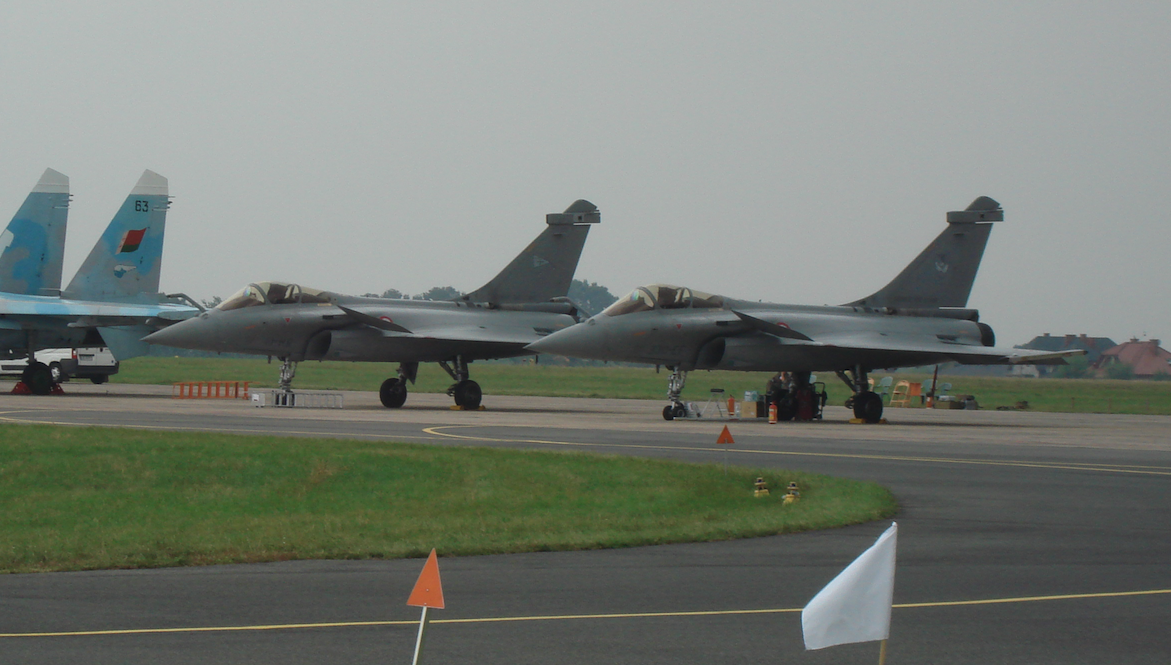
(544,270)
(126,262)
(33,246)
(943,273)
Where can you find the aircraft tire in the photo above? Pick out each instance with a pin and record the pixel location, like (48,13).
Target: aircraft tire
(468,394)
(669,412)
(393,393)
(868,406)
(680,411)
(38,377)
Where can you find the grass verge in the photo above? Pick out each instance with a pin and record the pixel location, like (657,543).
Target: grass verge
(97,498)
(1059,395)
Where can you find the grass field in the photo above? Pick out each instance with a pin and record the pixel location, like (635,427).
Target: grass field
(1066,395)
(96,498)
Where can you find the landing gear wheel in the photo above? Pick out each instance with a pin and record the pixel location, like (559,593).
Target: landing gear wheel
(669,412)
(680,410)
(468,394)
(868,406)
(38,377)
(393,393)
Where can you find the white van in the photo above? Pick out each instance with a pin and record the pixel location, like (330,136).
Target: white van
(93,363)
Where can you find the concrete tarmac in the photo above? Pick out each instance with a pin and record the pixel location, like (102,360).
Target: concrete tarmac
(1024,538)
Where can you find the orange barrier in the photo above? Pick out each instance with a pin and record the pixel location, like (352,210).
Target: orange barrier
(210,390)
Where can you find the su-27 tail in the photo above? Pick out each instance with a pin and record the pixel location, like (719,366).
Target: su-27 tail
(544,270)
(942,275)
(33,246)
(125,264)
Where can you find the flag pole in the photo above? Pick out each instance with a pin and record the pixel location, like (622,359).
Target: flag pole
(881,653)
(423,620)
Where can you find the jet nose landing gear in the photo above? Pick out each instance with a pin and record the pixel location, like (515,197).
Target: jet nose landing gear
(673,411)
(676,409)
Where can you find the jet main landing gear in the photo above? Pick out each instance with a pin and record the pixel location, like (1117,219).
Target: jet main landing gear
(393,392)
(38,378)
(867,404)
(464,391)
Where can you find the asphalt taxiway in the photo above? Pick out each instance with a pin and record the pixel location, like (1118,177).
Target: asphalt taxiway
(1022,538)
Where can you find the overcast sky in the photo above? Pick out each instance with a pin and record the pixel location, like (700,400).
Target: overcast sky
(789,152)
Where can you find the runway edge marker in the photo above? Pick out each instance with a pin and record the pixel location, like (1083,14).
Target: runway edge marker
(428,593)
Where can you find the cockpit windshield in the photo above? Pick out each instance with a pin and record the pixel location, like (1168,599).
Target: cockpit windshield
(272,293)
(663,296)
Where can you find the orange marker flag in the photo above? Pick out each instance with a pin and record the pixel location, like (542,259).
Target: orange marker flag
(428,590)
(725,436)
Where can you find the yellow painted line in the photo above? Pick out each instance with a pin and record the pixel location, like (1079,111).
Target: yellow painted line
(1066,466)
(579,617)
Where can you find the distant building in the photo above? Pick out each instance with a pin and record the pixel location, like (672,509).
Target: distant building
(1145,358)
(1093,346)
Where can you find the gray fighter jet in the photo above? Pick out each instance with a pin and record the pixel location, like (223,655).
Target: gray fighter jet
(526,301)
(920,318)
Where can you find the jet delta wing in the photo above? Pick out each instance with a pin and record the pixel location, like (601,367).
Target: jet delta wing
(113,299)
(919,318)
(526,301)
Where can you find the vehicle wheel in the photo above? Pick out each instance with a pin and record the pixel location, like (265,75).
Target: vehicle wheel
(99,379)
(868,406)
(38,378)
(669,412)
(680,411)
(393,393)
(468,395)
(55,371)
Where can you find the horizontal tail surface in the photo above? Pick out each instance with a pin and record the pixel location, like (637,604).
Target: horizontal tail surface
(33,246)
(126,262)
(545,268)
(943,274)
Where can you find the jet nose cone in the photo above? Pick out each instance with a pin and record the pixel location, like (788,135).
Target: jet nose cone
(189,334)
(578,341)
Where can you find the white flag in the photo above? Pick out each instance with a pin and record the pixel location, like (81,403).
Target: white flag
(855,605)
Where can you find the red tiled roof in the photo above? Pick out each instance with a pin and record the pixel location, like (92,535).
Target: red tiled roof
(1146,358)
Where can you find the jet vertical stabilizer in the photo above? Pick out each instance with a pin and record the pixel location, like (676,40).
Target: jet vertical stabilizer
(33,245)
(545,268)
(125,263)
(942,275)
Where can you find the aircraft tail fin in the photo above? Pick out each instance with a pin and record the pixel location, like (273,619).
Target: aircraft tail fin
(32,248)
(125,263)
(545,268)
(943,273)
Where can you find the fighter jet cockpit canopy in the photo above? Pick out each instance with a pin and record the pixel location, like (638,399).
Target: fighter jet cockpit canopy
(273,293)
(662,296)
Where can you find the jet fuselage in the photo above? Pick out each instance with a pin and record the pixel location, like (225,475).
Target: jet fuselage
(707,338)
